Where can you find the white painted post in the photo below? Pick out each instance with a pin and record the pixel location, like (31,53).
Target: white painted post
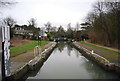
(5,52)
(0,51)
(92,52)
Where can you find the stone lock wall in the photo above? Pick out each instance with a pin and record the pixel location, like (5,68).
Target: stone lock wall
(101,61)
(32,65)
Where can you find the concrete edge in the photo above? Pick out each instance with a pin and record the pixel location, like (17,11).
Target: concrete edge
(104,63)
(32,65)
(38,61)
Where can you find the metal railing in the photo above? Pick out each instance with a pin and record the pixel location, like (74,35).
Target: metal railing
(37,51)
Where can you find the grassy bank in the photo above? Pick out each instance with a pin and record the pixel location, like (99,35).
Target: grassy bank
(24,48)
(101,48)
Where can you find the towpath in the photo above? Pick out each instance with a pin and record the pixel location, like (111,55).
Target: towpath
(113,58)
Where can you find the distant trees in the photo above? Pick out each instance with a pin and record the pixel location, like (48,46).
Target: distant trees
(61,32)
(32,26)
(70,32)
(48,26)
(77,26)
(103,23)
(29,31)
(32,22)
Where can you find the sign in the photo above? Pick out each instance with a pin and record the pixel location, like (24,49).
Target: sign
(6,51)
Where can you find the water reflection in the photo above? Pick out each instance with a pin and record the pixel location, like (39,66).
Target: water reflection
(66,62)
(97,72)
(69,49)
(60,46)
(77,53)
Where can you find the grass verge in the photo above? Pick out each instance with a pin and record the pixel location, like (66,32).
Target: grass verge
(101,48)
(24,48)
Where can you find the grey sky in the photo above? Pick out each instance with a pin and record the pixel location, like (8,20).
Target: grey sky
(58,12)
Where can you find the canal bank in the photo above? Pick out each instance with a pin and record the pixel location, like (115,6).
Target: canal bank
(32,65)
(109,64)
(66,62)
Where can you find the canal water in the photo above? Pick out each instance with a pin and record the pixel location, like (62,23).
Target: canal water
(66,62)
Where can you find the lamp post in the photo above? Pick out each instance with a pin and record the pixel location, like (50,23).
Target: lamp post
(38,40)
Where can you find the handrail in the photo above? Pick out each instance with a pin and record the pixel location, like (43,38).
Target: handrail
(37,51)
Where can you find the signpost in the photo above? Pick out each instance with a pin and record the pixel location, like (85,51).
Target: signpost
(5,52)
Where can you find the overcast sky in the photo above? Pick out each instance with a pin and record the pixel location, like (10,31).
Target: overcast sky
(58,12)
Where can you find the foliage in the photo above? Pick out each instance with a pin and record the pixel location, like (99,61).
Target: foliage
(60,32)
(48,26)
(104,24)
(32,22)
(70,32)
(77,36)
(32,27)
(51,35)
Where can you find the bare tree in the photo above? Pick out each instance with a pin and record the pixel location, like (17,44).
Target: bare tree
(69,25)
(48,26)
(53,29)
(32,22)
(104,20)
(77,26)
(33,28)
(70,32)
(9,21)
